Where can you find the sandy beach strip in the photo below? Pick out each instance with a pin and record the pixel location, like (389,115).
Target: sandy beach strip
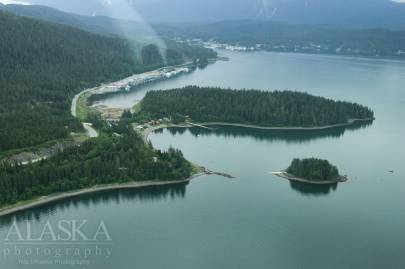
(146,132)
(303,180)
(65,195)
(350,122)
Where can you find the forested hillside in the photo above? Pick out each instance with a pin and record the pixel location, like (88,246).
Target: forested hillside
(140,33)
(43,65)
(104,160)
(263,108)
(275,36)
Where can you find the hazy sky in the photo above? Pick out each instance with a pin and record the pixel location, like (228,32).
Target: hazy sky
(208,8)
(296,11)
(165,9)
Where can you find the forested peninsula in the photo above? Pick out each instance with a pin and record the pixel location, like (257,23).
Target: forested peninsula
(250,107)
(118,156)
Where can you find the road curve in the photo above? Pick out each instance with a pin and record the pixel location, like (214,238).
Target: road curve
(91,132)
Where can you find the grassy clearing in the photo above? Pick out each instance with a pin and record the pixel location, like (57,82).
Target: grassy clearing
(79,137)
(196,169)
(137,107)
(82,110)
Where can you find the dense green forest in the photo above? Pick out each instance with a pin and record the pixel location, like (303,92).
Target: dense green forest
(119,156)
(278,108)
(275,36)
(313,169)
(43,65)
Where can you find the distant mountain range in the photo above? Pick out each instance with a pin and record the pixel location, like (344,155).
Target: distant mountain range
(347,13)
(273,36)
(281,37)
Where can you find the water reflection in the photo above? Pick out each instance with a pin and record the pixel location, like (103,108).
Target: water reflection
(289,136)
(104,198)
(313,190)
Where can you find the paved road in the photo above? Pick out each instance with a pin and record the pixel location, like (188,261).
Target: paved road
(91,132)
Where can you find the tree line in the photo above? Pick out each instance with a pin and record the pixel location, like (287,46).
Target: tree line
(313,169)
(278,108)
(118,156)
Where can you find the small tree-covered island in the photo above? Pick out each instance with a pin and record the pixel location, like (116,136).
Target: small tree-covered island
(312,171)
(250,108)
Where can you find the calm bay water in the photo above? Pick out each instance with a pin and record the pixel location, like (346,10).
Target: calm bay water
(257,220)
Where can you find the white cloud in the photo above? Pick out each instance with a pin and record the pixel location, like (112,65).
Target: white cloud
(18,2)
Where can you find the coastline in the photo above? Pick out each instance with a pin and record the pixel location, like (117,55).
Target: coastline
(326,55)
(148,131)
(11,209)
(114,87)
(91,132)
(307,181)
(350,122)
(136,79)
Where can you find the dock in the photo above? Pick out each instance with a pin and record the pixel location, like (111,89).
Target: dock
(209,172)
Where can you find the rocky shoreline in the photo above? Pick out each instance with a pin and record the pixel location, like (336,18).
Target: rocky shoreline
(287,176)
